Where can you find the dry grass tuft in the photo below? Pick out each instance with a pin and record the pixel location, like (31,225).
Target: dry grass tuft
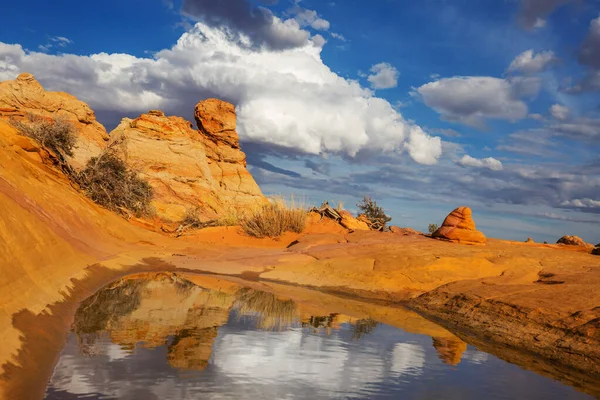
(274,219)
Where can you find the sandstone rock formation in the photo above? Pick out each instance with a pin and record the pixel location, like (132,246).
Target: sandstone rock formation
(190,169)
(459,227)
(573,241)
(25,95)
(529,240)
(147,311)
(404,231)
(349,222)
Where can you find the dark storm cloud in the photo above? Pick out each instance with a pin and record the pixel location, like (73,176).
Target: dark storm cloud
(242,17)
(532,12)
(318,167)
(589,53)
(589,56)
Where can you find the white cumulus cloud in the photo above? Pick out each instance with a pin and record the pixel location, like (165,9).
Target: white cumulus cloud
(310,18)
(287,97)
(489,163)
(527,62)
(383,76)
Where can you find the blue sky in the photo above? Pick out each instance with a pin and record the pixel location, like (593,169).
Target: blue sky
(424,105)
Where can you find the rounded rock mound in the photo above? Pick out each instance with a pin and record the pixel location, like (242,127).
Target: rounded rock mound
(459,227)
(573,241)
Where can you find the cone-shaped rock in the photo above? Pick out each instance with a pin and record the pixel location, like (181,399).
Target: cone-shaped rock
(459,227)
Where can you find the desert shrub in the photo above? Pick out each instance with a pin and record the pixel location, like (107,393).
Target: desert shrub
(108,181)
(433,227)
(273,219)
(192,219)
(57,135)
(374,213)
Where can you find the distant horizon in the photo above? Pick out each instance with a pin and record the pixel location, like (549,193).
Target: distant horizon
(425,107)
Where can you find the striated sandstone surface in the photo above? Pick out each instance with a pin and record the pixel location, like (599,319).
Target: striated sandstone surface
(190,169)
(25,95)
(459,227)
(404,231)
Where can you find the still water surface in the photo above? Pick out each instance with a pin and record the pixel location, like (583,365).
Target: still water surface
(168,338)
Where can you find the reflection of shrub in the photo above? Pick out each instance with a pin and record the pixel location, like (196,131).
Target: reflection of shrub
(273,219)
(273,313)
(433,228)
(363,327)
(374,213)
(57,135)
(109,304)
(109,182)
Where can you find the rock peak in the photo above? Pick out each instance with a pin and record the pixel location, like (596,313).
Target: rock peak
(25,77)
(216,120)
(156,113)
(459,227)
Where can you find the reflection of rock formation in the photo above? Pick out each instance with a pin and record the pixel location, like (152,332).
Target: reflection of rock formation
(148,311)
(450,350)
(192,349)
(165,309)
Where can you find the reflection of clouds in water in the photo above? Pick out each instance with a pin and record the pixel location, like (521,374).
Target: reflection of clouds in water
(408,358)
(68,377)
(273,363)
(115,352)
(250,364)
(327,363)
(475,357)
